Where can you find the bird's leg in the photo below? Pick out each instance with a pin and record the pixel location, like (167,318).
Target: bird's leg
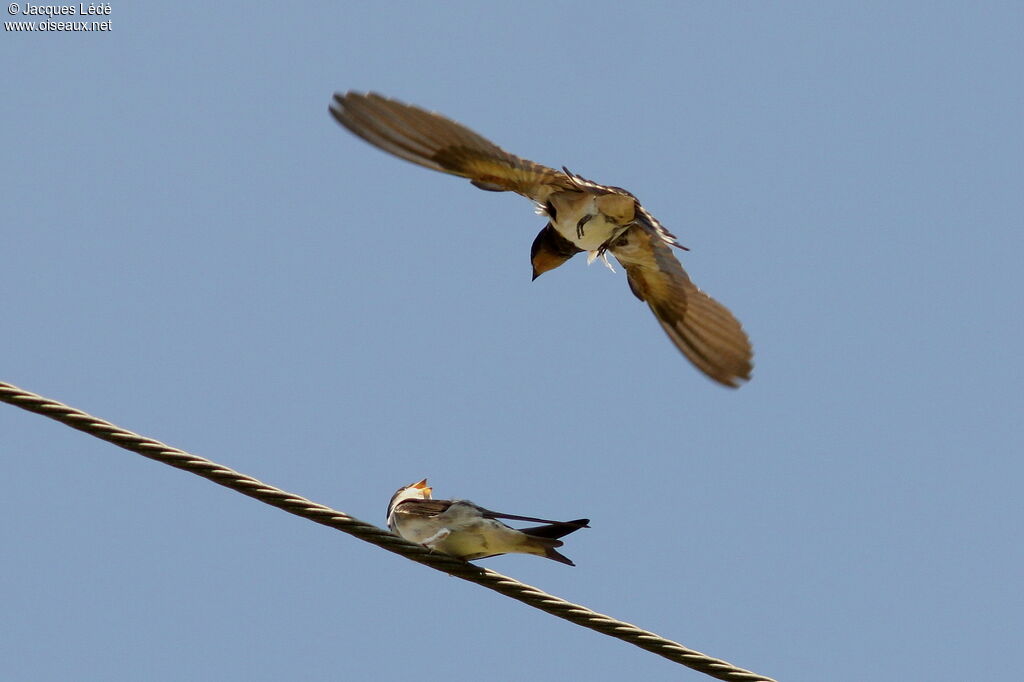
(580,224)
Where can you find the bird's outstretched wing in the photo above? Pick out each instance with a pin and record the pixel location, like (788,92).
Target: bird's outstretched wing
(431,140)
(701,327)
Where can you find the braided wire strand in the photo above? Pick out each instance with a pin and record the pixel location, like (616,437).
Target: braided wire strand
(300,506)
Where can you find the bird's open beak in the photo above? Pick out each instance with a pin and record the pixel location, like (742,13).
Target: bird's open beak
(422,485)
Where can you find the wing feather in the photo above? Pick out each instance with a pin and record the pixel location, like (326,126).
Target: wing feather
(701,327)
(426,508)
(488,514)
(556,530)
(439,143)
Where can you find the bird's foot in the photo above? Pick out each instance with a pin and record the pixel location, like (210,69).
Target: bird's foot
(437,537)
(580,224)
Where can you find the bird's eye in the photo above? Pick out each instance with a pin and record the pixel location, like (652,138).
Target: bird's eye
(550,208)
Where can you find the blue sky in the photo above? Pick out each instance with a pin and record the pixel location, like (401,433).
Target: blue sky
(194,250)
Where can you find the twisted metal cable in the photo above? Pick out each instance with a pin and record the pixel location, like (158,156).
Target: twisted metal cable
(300,506)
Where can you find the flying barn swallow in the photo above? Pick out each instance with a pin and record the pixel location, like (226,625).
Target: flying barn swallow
(582,216)
(465,530)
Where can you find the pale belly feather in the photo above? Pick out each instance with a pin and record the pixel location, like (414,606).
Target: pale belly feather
(597,230)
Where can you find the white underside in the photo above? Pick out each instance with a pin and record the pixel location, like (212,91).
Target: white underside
(461,531)
(596,231)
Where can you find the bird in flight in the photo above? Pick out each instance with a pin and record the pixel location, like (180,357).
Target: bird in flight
(582,216)
(462,529)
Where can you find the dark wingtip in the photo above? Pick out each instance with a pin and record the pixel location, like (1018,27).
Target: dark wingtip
(553,531)
(337,107)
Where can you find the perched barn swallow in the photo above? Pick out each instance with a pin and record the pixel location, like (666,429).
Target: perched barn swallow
(582,216)
(462,529)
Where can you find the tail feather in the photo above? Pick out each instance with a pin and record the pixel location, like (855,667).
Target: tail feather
(546,537)
(552,553)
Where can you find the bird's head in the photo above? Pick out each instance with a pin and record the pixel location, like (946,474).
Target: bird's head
(549,250)
(414,491)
